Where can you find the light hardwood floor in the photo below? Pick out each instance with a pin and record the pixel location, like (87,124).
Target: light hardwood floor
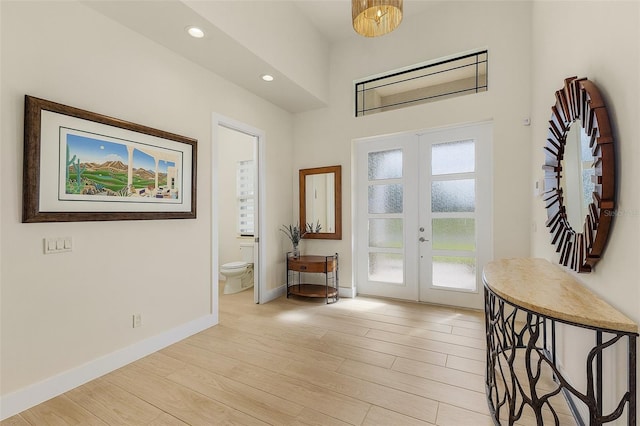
(361,361)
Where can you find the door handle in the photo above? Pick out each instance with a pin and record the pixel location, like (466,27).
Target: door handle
(422,239)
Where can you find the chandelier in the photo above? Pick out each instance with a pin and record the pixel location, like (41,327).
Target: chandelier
(372,18)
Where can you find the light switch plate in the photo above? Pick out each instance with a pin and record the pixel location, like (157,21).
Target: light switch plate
(57,245)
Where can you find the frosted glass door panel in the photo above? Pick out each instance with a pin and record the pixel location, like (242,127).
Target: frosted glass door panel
(453,225)
(386,267)
(453,196)
(385,233)
(385,199)
(453,157)
(454,234)
(385,164)
(454,272)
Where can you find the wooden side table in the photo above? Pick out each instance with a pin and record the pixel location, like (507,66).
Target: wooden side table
(298,267)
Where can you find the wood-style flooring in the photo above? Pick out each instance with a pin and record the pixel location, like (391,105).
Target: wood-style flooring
(361,361)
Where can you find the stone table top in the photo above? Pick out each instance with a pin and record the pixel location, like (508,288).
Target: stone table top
(542,287)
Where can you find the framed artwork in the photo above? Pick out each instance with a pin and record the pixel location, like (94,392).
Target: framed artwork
(83,166)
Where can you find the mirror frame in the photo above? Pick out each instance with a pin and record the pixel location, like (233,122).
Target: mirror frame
(581,100)
(337,170)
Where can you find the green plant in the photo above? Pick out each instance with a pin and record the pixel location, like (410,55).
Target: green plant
(293,232)
(314,228)
(69,162)
(124,191)
(79,169)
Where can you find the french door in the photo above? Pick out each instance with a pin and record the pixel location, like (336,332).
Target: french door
(423,209)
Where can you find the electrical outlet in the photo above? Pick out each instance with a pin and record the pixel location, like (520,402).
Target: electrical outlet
(137,320)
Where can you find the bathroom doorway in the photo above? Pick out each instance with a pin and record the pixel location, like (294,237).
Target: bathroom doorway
(236,209)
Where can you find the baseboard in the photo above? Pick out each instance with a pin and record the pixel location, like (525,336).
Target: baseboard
(578,409)
(23,399)
(282,290)
(347,292)
(274,294)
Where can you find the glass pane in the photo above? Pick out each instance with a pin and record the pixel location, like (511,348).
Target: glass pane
(454,234)
(453,157)
(386,267)
(385,199)
(453,195)
(385,233)
(385,164)
(454,272)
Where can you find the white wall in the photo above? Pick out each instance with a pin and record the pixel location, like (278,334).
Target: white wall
(599,40)
(59,312)
(233,146)
(324,137)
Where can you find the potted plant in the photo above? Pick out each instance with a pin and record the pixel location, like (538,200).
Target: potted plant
(295,234)
(311,227)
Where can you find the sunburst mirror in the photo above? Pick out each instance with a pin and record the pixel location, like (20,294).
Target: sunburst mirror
(579,174)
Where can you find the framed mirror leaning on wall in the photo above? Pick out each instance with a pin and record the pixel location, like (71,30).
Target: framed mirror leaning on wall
(579,174)
(321,202)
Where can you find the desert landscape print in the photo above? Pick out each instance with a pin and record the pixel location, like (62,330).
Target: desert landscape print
(96,167)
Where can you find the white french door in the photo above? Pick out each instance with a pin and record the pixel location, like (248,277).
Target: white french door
(385,220)
(423,209)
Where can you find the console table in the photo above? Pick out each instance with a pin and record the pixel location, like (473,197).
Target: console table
(525,299)
(298,266)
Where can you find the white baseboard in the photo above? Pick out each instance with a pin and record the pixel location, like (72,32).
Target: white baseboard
(23,399)
(274,293)
(347,292)
(282,290)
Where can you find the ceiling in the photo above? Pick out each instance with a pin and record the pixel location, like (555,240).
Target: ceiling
(333,17)
(164,21)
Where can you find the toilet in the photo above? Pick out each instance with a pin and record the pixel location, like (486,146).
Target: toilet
(239,275)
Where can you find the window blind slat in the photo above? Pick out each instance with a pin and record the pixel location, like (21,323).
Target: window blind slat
(246,197)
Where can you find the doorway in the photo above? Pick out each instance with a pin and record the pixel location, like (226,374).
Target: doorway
(423,209)
(237,213)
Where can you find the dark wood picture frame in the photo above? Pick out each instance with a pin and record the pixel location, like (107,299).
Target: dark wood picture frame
(37,137)
(337,171)
(580,249)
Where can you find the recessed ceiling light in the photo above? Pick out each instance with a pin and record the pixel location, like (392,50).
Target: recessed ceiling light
(267,77)
(195,32)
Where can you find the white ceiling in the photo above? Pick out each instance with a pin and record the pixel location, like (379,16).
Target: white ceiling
(163,21)
(333,17)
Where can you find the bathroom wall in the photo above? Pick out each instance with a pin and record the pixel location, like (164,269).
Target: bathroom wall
(233,146)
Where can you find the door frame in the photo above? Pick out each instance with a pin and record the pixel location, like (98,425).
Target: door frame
(259,291)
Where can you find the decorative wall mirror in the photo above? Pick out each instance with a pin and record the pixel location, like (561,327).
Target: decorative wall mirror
(579,174)
(321,202)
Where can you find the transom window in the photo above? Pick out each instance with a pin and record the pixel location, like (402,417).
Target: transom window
(427,82)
